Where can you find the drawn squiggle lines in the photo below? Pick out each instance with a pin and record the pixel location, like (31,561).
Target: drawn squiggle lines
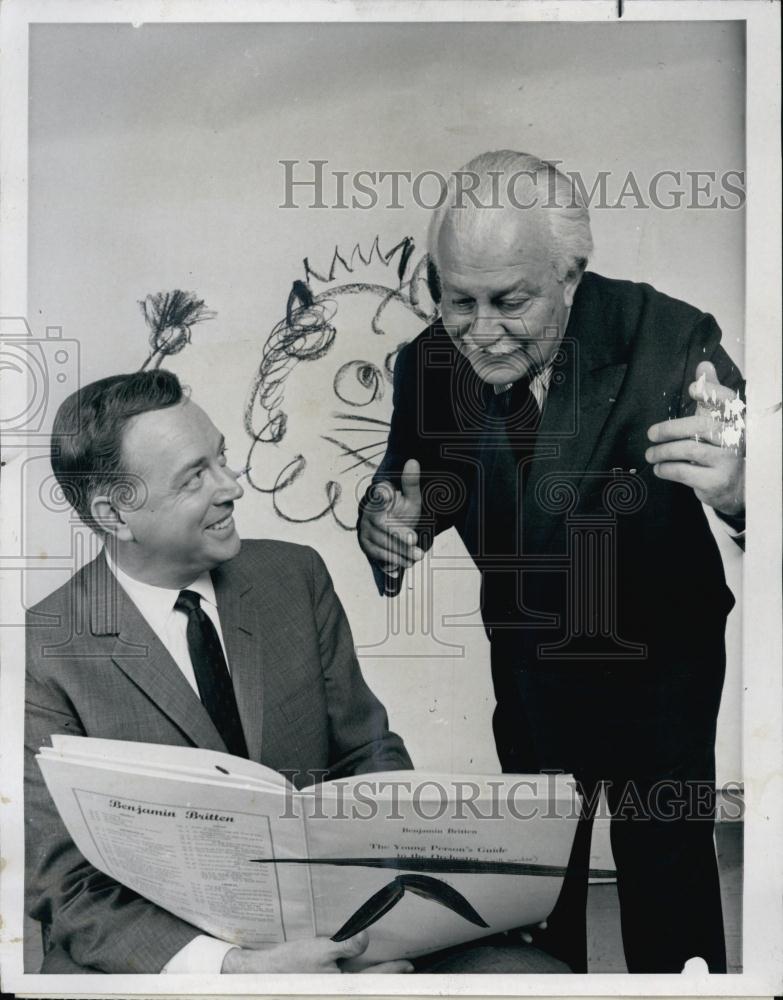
(406,247)
(170,317)
(288,475)
(307,334)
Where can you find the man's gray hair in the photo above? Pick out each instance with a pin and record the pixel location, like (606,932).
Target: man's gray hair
(509,180)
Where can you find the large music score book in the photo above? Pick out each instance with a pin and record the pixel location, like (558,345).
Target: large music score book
(423,860)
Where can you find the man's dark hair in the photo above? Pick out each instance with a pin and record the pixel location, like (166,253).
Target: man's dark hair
(87,436)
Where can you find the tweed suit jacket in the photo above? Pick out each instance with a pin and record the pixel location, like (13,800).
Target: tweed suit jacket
(95,668)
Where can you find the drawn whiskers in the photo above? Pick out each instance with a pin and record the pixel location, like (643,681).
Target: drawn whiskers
(361,419)
(364,459)
(369,460)
(361,425)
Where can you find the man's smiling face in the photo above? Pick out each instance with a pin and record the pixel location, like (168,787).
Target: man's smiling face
(502,302)
(185,525)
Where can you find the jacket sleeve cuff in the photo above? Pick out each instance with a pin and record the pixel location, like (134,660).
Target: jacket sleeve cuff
(387,585)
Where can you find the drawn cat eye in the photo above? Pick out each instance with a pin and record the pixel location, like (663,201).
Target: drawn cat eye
(358,383)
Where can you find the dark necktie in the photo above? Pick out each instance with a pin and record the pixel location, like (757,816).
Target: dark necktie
(212,676)
(508,441)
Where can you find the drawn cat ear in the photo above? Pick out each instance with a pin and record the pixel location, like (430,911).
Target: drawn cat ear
(300,297)
(433,280)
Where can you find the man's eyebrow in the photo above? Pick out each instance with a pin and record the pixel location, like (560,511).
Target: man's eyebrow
(513,289)
(189,466)
(518,286)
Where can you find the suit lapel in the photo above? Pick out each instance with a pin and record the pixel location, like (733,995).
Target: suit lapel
(577,409)
(140,654)
(247,646)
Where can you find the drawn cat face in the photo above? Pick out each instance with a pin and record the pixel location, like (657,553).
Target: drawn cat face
(319,407)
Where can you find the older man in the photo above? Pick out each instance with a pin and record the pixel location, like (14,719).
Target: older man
(570,427)
(178,633)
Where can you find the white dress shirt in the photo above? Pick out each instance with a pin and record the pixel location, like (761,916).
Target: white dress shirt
(539,386)
(203,954)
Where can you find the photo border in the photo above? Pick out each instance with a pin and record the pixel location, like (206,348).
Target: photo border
(762,644)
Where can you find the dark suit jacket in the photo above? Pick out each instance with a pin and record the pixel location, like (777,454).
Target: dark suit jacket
(594,520)
(95,668)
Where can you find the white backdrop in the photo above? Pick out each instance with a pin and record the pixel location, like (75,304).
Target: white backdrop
(154,164)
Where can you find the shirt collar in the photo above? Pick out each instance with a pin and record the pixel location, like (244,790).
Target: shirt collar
(539,382)
(157,603)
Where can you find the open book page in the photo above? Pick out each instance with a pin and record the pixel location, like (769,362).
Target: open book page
(502,843)
(187,843)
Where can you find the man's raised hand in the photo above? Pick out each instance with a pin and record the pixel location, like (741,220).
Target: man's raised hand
(387,530)
(705,451)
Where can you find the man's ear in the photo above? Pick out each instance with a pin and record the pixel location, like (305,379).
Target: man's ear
(571,284)
(110,519)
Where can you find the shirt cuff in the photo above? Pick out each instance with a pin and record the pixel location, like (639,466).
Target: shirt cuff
(392,582)
(734,523)
(202,954)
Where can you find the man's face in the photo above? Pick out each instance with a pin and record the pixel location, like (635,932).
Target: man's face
(502,302)
(185,525)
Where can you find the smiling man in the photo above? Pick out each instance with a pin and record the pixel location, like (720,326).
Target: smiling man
(570,426)
(179,633)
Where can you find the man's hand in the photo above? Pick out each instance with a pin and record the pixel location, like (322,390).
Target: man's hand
(705,451)
(308,955)
(526,933)
(387,528)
